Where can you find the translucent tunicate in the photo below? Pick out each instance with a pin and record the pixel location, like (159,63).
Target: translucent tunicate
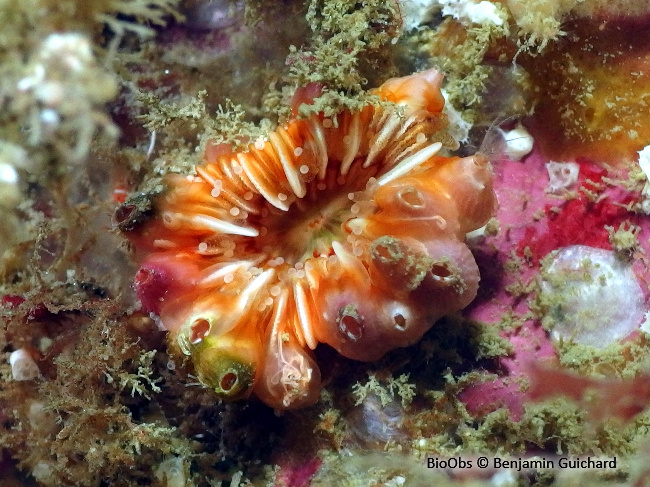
(590,296)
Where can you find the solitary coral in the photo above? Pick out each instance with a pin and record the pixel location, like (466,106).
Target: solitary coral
(345,231)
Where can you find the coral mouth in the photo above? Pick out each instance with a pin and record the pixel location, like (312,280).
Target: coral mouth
(310,225)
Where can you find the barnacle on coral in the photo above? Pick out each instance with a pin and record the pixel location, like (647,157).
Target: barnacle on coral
(347,231)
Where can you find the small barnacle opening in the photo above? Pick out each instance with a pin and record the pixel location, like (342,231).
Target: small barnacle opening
(224,365)
(137,208)
(123,214)
(228,381)
(386,249)
(411,198)
(445,273)
(400,321)
(143,277)
(199,329)
(232,383)
(132,213)
(350,322)
(396,265)
(440,270)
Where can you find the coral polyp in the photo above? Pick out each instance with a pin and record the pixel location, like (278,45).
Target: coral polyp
(347,231)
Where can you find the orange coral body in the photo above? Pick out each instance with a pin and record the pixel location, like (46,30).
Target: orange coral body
(346,231)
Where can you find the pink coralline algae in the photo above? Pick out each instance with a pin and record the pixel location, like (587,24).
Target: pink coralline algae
(558,278)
